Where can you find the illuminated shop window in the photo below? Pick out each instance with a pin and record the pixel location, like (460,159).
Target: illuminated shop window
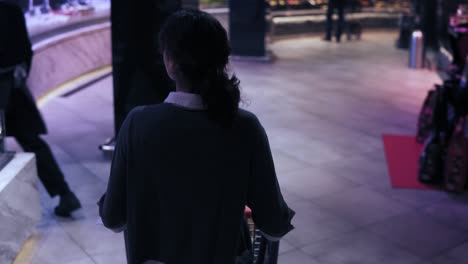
(213,3)
(320,4)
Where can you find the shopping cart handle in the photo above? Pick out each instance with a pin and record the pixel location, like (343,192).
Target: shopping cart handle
(247,212)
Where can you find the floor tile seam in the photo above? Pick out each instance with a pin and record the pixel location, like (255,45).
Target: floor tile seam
(76,113)
(330,161)
(77,162)
(324,116)
(78,259)
(85,168)
(69,109)
(329,165)
(282,152)
(90,204)
(440,221)
(421,208)
(370,185)
(369,188)
(65,140)
(307,167)
(315,258)
(291,171)
(338,176)
(296,199)
(417,208)
(441,252)
(328,169)
(454,257)
(321,196)
(373,179)
(308,162)
(302,246)
(313,201)
(293,248)
(76,242)
(395,243)
(375,99)
(105,99)
(67,159)
(95,177)
(445,254)
(338,142)
(70,259)
(407,210)
(375,222)
(380,150)
(107,252)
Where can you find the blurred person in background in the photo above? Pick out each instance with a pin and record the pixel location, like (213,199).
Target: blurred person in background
(23,119)
(183,171)
(338,6)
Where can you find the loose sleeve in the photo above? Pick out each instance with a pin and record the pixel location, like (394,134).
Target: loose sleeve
(24,40)
(113,204)
(270,212)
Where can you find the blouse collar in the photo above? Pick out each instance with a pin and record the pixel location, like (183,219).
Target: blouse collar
(188,101)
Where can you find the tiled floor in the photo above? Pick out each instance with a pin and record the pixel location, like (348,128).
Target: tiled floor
(325,107)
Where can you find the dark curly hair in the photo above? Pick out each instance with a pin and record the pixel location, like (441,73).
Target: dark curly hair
(198,44)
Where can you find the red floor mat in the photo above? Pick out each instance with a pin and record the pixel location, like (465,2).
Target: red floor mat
(402,153)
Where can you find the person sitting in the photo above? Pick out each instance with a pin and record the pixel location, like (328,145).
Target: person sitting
(183,171)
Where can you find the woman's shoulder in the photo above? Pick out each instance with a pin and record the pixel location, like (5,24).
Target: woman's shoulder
(153,112)
(150,109)
(248,118)
(163,112)
(246,115)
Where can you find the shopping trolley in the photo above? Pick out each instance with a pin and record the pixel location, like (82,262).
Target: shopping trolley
(263,251)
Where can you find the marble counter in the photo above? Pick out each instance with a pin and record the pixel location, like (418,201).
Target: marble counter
(20,209)
(67,56)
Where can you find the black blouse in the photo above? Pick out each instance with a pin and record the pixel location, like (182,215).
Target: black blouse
(179,184)
(15,46)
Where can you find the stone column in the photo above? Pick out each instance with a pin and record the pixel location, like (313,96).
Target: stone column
(138,69)
(429,22)
(247,28)
(192,4)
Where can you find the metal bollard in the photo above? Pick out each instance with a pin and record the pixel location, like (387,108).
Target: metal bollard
(416,56)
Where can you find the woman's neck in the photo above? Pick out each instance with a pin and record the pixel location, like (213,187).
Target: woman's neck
(183,87)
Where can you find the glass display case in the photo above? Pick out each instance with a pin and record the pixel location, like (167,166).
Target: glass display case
(296,4)
(46,18)
(206,4)
(321,4)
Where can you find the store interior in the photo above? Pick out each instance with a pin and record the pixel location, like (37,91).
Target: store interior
(352,126)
